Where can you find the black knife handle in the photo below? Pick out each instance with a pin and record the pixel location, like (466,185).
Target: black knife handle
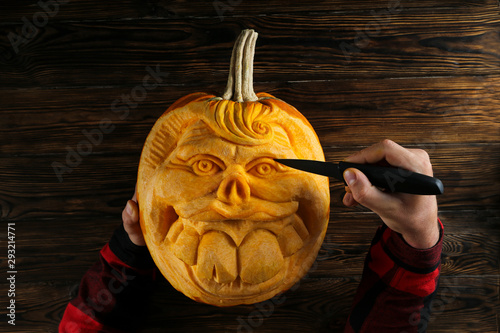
(397,179)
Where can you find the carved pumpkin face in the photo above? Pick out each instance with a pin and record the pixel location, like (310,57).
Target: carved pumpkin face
(224,222)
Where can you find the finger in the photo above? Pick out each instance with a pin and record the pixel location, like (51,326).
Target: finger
(349,200)
(364,193)
(130,216)
(422,157)
(134,198)
(385,150)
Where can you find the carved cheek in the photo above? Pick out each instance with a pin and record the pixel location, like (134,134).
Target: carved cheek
(301,187)
(279,188)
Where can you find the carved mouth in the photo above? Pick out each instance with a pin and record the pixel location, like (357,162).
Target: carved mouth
(232,252)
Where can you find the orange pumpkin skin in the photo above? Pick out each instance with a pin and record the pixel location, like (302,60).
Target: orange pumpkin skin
(224,222)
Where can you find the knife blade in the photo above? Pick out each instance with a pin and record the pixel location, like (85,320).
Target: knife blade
(389,178)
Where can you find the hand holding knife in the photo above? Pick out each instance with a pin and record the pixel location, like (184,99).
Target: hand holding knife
(390,178)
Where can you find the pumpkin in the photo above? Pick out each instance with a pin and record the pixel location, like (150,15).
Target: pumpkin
(224,222)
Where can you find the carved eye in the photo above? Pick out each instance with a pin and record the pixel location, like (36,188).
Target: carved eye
(263,168)
(205,167)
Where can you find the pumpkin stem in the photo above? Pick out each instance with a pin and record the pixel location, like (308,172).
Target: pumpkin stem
(240,81)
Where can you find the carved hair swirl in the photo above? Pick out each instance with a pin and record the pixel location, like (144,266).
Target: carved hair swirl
(242,123)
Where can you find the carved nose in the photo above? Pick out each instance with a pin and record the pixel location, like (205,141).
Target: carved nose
(234,189)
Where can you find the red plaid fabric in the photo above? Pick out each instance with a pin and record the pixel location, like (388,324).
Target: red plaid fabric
(394,295)
(398,285)
(113,292)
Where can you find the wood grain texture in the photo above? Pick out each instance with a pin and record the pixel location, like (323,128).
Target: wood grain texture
(450,111)
(80,54)
(101,184)
(322,306)
(313,305)
(426,76)
(12,12)
(49,250)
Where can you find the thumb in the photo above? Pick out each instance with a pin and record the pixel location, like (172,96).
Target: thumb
(130,216)
(363,191)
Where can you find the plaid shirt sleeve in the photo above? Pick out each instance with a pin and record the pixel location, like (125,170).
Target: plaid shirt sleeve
(398,285)
(112,293)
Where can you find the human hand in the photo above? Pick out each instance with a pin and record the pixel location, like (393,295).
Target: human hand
(413,216)
(130,217)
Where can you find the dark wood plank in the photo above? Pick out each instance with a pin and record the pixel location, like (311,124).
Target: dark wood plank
(428,79)
(116,53)
(78,10)
(100,184)
(466,304)
(464,253)
(314,305)
(13,12)
(39,194)
(458,180)
(451,110)
(39,306)
(322,306)
(60,250)
(308,307)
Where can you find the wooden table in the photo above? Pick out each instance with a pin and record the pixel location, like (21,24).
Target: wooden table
(423,73)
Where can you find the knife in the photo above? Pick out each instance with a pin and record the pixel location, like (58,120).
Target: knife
(389,178)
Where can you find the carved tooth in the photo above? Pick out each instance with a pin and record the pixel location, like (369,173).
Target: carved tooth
(217,258)
(259,257)
(299,226)
(175,231)
(186,246)
(290,241)
(163,218)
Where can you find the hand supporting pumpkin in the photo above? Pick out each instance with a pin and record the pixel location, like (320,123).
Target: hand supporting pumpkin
(130,217)
(413,216)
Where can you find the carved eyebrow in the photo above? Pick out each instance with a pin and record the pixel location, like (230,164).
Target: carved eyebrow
(186,152)
(197,145)
(188,144)
(281,138)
